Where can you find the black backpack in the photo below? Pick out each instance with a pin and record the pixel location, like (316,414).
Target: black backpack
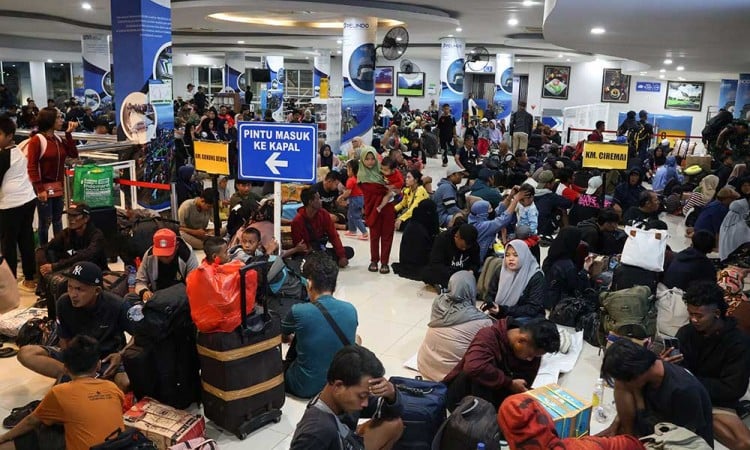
(569,311)
(715,125)
(473,421)
(39,331)
(128,439)
(140,236)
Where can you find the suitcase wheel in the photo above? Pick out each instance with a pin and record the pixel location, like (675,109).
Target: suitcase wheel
(257,422)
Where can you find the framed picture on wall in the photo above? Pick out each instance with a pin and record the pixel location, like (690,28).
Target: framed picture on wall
(383,80)
(410,84)
(556,82)
(615,86)
(684,95)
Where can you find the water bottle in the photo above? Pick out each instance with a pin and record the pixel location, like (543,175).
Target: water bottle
(597,402)
(131,279)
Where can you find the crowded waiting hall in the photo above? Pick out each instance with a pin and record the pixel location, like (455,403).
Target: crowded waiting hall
(324,224)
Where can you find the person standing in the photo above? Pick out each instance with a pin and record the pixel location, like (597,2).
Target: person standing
(446,125)
(17,205)
(521,123)
(46,167)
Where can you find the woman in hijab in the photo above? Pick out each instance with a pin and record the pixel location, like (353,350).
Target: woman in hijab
(417,241)
(185,187)
(380,221)
(453,324)
(703,194)
(665,174)
(326,158)
(519,289)
(564,273)
(734,234)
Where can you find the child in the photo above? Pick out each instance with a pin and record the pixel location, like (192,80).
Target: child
(394,180)
(356,202)
(216,250)
(380,216)
(249,246)
(526,213)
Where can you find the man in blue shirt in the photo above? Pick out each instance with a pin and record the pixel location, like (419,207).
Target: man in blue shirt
(316,330)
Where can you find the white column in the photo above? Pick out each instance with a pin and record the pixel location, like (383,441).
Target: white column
(358,108)
(503,98)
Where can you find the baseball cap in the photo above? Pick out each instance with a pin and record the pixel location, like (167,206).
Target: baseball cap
(165,242)
(594,184)
(484,119)
(546,176)
(86,272)
(485,174)
(453,168)
(727,192)
(77,210)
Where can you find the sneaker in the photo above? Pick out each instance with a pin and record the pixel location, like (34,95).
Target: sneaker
(27,285)
(350,234)
(364,237)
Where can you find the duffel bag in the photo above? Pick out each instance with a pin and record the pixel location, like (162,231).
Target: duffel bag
(128,439)
(424,411)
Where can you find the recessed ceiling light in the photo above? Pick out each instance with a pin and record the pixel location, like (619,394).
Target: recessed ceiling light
(518,60)
(667,61)
(661,76)
(662,70)
(307,57)
(680,78)
(86,5)
(459,29)
(240,42)
(513,22)
(643,73)
(49,61)
(338,51)
(680,68)
(450,35)
(528,3)
(560,55)
(598,30)
(339,41)
(567,60)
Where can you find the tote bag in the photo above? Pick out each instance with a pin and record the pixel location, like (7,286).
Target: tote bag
(671,309)
(645,248)
(94,185)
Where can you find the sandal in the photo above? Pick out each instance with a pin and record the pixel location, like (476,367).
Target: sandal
(373,267)
(18,414)
(8,352)
(384,269)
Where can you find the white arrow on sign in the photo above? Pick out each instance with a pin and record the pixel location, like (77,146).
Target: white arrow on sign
(273,163)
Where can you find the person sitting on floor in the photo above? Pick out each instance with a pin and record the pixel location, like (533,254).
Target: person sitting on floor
(414,193)
(487,229)
(563,273)
(88,407)
(85,309)
(712,215)
(417,241)
(330,190)
(194,215)
(354,385)
(600,233)
(649,390)
(646,211)
(454,249)
(628,192)
(316,330)
(502,359)
(734,234)
(549,204)
(242,191)
(518,289)
(484,187)
(446,195)
(166,263)
(717,353)
(692,264)
(313,228)
(454,322)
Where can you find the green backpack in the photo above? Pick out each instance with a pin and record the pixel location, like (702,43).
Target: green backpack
(629,312)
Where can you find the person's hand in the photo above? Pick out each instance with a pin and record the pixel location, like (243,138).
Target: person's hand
(44,269)
(398,223)
(378,209)
(518,385)
(380,387)
(147,296)
(587,262)
(42,196)
(71,126)
(272,247)
(114,360)
(343,262)
(665,356)
(301,247)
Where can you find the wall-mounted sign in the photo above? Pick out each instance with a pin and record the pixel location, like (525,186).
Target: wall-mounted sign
(647,86)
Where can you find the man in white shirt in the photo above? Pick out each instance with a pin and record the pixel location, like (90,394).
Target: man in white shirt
(188,95)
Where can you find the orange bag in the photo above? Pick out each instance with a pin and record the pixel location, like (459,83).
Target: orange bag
(213,291)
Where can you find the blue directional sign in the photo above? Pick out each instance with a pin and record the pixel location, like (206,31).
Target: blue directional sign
(285,152)
(646,86)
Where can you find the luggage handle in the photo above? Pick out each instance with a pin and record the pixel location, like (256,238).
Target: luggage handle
(471,408)
(243,298)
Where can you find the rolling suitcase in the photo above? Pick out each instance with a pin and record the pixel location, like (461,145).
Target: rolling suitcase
(241,372)
(105,219)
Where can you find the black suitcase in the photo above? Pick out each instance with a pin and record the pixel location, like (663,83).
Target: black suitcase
(242,372)
(105,219)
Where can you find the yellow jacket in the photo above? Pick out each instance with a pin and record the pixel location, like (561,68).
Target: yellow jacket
(410,201)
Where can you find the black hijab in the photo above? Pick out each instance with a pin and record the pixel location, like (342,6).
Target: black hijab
(326,161)
(564,246)
(426,215)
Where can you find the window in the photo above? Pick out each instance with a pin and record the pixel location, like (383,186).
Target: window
(211,78)
(16,76)
(59,83)
(298,83)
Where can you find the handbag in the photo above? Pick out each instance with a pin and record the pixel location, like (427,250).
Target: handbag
(645,248)
(671,310)
(93,185)
(53,189)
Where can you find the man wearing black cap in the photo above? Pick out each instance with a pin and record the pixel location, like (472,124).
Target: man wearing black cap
(85,310)
(628,193)
(80,241)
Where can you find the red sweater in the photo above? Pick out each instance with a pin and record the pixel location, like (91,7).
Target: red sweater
(50,166)
(321,225)
(490,361)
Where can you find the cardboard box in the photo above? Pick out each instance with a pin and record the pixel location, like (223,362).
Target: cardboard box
(291,192)
(703,161)
(570,414)
(163,424)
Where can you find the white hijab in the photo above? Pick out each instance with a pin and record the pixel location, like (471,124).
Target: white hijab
(734,231)
(512,283)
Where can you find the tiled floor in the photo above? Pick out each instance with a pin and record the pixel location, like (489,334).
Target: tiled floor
(393,315)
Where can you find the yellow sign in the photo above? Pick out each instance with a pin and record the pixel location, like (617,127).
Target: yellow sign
(324,87)
(599,155)
(212,157)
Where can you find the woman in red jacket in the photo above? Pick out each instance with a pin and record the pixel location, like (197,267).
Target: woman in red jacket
(46,154)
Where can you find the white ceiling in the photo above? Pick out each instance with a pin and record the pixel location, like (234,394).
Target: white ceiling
(639,31)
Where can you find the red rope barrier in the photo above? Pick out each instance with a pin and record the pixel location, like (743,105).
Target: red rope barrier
(661,135)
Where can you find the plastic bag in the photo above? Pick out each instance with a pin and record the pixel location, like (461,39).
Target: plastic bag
(214,294)
(94,185)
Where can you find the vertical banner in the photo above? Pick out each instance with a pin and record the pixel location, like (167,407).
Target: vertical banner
(503,99)
(234,72)
(727,94)
(333,124)
(452,75)
(142,44)
(321,74)
(742,100)
(96,65)
(272,97)
(358,68)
